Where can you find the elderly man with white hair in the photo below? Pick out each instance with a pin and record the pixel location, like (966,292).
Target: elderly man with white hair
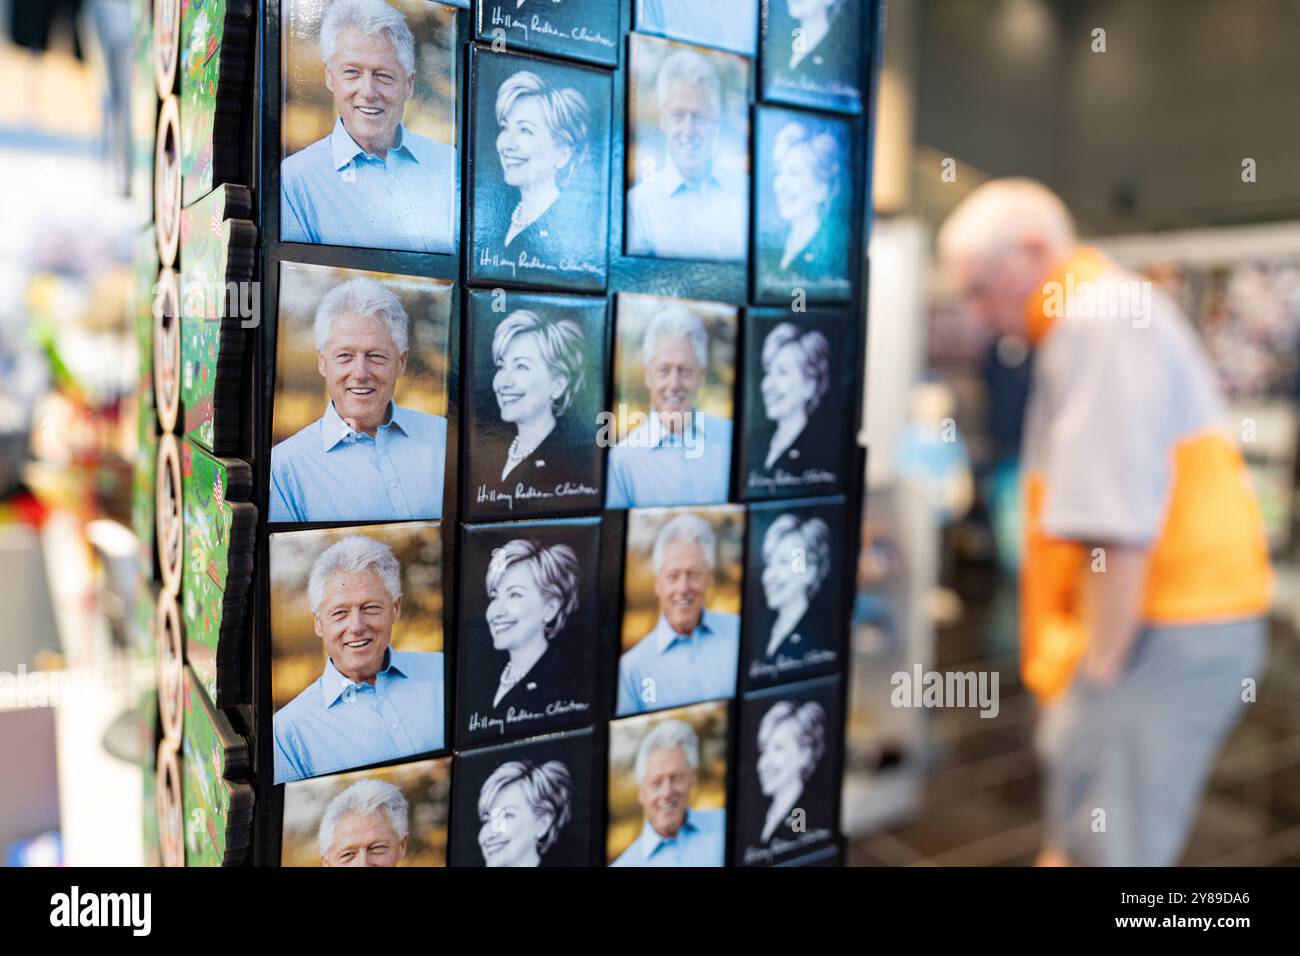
(1145,580)
(675,833)
(367,824)
(686,207)
(367,458)
(679,455)
(371,703)
(691,653)
(371,182)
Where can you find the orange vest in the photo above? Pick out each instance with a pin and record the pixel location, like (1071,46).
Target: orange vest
(1209,563)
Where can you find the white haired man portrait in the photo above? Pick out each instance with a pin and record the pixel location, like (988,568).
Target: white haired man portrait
(371,182)
(372,702)
(367,824)
(691,653)
(679,455)
(366,457)
(674,832)
(687,204)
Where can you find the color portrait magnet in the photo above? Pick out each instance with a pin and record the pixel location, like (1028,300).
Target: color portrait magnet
(668,788)
(682,586)
(387,816)
(357,665)
(687,174)
(368,124)
(359,424)
(670,424)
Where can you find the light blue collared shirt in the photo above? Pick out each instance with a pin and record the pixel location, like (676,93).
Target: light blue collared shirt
(328,472)
(653,466)
(700,842)
(334,192)
(336,724)
(686,669)
(669,218)
(729,24)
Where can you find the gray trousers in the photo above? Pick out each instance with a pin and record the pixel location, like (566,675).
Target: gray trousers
(1125,765)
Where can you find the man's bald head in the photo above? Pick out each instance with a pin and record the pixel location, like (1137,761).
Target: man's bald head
(999,244)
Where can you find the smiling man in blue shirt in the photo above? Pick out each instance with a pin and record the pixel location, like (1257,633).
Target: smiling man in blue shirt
(678,455)
(674,834)
(371,182)
(366,458)
(691,654)
(372,703)
(689,206)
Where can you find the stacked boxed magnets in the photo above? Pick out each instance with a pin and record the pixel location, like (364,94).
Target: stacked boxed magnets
(521,409)
(194,520)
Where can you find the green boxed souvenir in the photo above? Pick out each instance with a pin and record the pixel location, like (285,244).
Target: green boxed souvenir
(220,526)
(218,807)
(214,58)
(218,305)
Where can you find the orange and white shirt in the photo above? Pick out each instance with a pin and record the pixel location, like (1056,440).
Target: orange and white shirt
(1127,442)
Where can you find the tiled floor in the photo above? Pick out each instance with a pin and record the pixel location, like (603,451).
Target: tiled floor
(981,802)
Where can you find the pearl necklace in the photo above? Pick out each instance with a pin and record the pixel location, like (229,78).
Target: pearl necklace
(519,219)
(506,679)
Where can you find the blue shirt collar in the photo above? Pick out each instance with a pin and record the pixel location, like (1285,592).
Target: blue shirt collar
(334,685)
(652,842)
(344,149)
(673,180)
(334,429)
(671,439)
(665,637)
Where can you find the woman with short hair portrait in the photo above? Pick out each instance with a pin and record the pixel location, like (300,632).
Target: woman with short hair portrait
(806,182)
(796,377)
(791,742)
(796,562)
(823,45)
(542,141)
(532,593)
(523,807)
(540,367)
